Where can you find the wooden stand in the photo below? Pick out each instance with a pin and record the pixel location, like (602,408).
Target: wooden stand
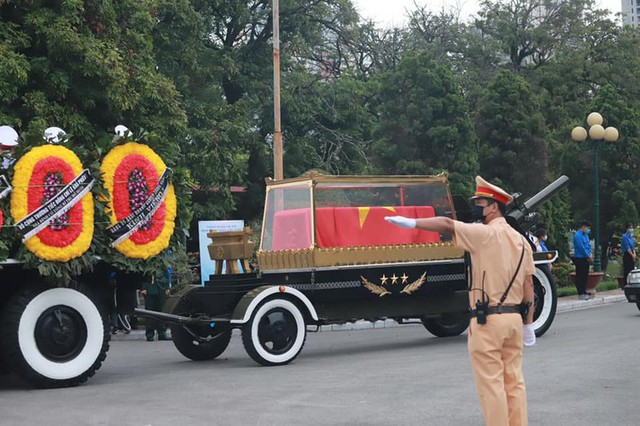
(229,248)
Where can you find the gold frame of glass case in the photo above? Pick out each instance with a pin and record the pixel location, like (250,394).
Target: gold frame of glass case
(316,257)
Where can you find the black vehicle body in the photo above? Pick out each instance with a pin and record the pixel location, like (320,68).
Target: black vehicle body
(310,286)
(338,294)
(632,289)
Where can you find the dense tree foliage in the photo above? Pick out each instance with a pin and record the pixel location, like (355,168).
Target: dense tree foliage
(85,67)
(511,131)
(496,95)
(424,124)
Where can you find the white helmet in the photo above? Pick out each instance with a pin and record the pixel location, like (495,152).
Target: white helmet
(8,136)
(122,131)
(54,135)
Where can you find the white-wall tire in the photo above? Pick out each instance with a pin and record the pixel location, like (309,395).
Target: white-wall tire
(276,332)
(54,337)
(545,300)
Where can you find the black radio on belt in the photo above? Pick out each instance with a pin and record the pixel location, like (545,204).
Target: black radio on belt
(524,309)
(481,311)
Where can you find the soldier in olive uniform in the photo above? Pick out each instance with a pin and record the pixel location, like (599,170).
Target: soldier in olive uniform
(155,294)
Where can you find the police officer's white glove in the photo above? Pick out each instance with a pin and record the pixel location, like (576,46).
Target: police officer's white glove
(401,221)
(528,335)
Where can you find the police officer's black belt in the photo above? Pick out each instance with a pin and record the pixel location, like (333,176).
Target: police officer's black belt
(501,309)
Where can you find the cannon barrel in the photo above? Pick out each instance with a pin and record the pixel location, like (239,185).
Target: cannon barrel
(522,211)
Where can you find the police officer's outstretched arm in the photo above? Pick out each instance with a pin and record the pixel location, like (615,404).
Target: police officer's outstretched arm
(440,224)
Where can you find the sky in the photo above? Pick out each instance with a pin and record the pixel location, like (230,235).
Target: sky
(391,12)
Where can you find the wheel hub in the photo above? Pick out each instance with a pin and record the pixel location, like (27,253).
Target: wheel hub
(60,333)
(277,331)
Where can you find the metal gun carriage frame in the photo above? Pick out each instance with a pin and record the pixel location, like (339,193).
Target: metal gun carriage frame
(327,257)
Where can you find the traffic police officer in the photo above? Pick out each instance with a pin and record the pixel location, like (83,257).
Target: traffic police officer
(502,270)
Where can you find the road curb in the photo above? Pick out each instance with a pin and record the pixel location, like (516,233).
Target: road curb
(572,305)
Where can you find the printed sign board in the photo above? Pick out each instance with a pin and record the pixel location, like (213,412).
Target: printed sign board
(208,266)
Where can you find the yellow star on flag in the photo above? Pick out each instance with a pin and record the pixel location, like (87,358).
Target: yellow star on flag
(363,212)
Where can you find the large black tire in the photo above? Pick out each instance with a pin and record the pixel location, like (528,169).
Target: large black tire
(207,343)
(276,332)
(638,304)
(54,337)
(545,300)
(447,325)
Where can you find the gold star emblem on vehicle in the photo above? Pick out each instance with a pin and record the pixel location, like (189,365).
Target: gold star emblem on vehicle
(405,278)
(384,279)
(394,279)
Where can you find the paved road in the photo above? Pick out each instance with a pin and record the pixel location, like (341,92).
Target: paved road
(583,372)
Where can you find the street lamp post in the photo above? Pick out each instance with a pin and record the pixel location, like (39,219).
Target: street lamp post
(596,134)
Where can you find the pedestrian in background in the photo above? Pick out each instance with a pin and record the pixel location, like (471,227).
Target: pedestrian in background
(628,252)
(581,258)
(155,292)
(502,279)
(541,235)
(125,301)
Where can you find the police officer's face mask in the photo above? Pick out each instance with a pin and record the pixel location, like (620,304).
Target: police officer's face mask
(477,213)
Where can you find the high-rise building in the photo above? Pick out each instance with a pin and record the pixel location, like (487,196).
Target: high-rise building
(630,12)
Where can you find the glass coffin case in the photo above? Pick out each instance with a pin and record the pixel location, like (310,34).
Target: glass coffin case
(323,221)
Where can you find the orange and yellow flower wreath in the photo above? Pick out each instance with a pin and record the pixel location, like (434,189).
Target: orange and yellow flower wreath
(118,170)
(56,242)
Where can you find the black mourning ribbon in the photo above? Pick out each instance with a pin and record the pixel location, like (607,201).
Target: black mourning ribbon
(56,206)
(123,229)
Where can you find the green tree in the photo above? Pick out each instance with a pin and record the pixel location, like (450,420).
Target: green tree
(219,54)
(85,67)
(619,174)
(529,31)
(424,123)
(513,150)
(329,125)
(215,139)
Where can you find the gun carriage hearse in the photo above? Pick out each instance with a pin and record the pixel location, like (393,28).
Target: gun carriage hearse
(327,256)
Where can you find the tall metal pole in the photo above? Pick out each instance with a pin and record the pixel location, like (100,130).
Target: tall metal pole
(597,133)
(596,205)
(277,132)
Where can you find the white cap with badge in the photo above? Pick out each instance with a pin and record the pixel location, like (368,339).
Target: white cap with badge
(122,131)
(8,137)
(54,135)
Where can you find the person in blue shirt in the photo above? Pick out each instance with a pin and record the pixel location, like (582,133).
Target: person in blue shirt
(628,252)
(541,235)
(581,258)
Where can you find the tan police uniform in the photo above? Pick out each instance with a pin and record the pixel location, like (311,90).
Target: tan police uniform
(495,348)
